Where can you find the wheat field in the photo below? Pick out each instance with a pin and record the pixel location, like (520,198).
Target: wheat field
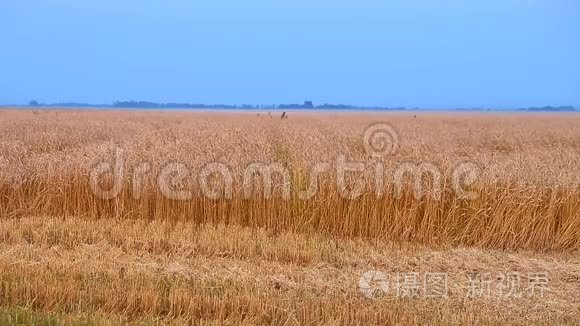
(105,218)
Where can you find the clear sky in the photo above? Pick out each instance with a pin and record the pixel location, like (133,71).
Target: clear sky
(447,53)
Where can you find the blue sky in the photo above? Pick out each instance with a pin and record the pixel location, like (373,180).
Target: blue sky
(449,53)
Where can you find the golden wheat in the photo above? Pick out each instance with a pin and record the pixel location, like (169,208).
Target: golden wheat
(143,257)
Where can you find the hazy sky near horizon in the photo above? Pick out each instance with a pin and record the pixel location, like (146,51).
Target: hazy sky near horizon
(449,53)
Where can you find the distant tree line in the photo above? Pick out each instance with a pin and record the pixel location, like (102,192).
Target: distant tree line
(564,108)
(305,105)
(154,105)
